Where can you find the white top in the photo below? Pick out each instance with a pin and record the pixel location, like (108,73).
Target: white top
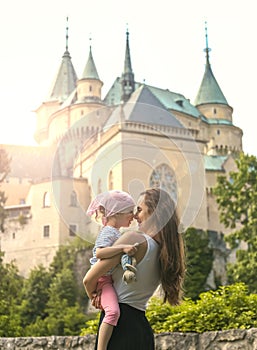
(138,293)
(106,237)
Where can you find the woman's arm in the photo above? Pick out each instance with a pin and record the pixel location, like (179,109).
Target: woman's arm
(96,271)
(104,265)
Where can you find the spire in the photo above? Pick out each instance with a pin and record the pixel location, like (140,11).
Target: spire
(127,63)
(127,80)
(209,91)
(90,71)
(65,81)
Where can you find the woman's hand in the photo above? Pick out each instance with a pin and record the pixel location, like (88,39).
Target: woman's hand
(96,300)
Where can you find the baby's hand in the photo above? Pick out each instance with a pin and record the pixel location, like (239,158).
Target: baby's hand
(130,249)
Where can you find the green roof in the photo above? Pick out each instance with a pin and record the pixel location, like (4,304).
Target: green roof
(209,91)
(65,80)
(174,101)
(214,163)
(170,100)
(216,121)
(90,71)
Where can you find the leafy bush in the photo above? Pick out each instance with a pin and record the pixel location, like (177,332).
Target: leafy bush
(228,307)
(91,325)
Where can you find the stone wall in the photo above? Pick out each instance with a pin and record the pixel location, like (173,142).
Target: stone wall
(222,340)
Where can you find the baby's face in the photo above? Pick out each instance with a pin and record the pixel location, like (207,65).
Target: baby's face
(125,219)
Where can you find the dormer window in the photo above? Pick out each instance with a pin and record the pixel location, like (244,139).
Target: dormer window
(179,102)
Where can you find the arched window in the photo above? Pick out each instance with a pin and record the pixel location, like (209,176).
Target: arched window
(73,199)
(46,200)
(163,177)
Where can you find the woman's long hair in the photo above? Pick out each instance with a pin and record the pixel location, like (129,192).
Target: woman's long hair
(163,218)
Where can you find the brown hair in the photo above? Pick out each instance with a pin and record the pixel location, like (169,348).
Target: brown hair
(163,218)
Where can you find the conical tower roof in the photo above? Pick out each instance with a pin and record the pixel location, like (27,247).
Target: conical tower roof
(66,78)
(209,91)
(127,79)
(90,71)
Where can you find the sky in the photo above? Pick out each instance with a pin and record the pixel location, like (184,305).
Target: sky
(167,39)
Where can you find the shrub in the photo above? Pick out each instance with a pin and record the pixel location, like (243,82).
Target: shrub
(229,307)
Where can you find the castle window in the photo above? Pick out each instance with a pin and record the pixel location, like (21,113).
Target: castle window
(214,111)
(72,230)
(163,177)
(73,199)
(46,231)
(46,200)
(13,235)
(90,88)
(218,132)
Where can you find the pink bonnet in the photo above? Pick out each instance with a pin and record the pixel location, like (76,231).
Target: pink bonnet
(113,201)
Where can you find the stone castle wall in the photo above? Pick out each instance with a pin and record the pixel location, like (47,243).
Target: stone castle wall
(220,340)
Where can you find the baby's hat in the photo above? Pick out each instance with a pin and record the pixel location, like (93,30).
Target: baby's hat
(113,201)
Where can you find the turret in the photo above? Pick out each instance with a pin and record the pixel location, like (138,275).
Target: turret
(127,79)
(63,85)
(210,99)
(89,87)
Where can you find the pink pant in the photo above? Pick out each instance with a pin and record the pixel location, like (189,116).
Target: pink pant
(109,300)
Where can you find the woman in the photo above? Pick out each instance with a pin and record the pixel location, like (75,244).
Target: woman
(160,260)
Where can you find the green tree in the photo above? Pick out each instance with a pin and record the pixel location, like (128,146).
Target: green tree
(4,170)
(237,202)
(35,295)
(199,261)
(10,298)
(64,313)
(52,298)
(66,258)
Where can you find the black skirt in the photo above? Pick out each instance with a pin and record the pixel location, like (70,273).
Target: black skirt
(133,331)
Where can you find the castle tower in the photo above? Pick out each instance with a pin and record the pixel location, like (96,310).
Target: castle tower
(224,137)
(127,79)
(210,99)
(63,84)
(89,87)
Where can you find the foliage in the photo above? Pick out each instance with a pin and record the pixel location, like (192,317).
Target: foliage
(10,286)
(35,295)
(91,325)
(4,170)
(237,202)
(229,307)
(3,214)
(199,261)
(48,302)
(4,164)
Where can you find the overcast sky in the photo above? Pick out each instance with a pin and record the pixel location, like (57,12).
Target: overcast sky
(167,39)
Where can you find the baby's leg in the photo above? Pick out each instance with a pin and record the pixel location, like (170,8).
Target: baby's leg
(109,302)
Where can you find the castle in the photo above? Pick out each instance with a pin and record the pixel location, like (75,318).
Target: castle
(135,137)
